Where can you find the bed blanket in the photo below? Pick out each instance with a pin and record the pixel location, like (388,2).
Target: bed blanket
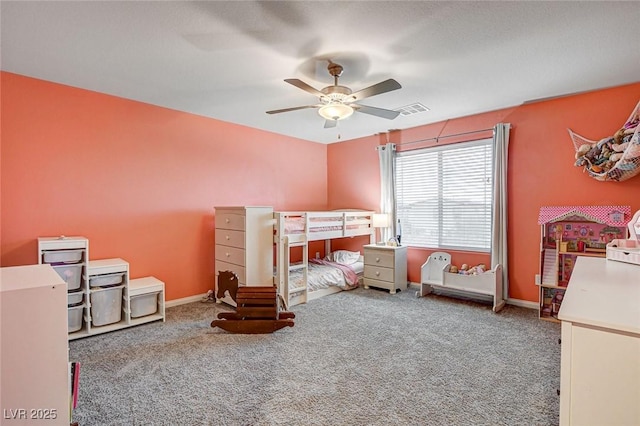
(349,275)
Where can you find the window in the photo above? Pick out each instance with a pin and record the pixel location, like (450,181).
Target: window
(443,196)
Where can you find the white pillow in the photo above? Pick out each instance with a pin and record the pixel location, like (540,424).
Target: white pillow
(345,257)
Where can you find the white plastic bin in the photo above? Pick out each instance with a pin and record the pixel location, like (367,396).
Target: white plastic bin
(75,318)
(144,304)
(106,279)
(106,305)
(62,256)
(74,298)
(71,274)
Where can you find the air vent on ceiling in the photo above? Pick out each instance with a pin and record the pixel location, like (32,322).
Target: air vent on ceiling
(414,108)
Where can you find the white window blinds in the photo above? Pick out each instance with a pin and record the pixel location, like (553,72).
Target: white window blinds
(444,196)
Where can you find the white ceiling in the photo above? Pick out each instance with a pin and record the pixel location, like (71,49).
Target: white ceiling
(228,60)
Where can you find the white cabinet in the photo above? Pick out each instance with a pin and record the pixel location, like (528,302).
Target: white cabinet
(34,351)
(244,245)
(600,359)
(385,267)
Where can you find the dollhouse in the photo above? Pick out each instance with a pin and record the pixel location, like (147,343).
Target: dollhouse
(567,232)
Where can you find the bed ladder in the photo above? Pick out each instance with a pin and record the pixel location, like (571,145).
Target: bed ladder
(284,267)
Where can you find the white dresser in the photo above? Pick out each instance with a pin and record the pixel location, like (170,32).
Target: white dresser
(385,267)
(244,245)
(600,360)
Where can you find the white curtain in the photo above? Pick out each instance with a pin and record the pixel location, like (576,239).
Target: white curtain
(499,218)
(387,155)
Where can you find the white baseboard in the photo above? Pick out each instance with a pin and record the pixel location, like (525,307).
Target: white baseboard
(523,303)
(184,300)
(515,302)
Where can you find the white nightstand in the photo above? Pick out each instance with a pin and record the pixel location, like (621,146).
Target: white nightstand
(385,267)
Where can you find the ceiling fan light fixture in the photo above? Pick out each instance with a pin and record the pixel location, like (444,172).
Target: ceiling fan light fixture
(335,111)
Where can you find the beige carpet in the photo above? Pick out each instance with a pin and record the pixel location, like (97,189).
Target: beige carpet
(362,357)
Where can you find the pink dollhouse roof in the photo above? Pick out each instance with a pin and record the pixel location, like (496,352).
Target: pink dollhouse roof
(600,214)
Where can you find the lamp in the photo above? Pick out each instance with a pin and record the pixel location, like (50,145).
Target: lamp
(380,220)
(335,111)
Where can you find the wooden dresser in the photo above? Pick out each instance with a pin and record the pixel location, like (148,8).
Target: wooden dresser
(600,360)
(244,245)
(385,267)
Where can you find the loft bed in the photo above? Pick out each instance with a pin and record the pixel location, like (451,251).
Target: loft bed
(306,280)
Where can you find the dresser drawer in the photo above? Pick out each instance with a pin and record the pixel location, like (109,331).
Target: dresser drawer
(389,285)
(379,258)
(229,237)
(378,273)
(230,221)
(230,255)
(238,270)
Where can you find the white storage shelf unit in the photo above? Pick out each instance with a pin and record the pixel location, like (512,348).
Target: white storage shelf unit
(106,298)
(68,256)
(100,295)
(111,296)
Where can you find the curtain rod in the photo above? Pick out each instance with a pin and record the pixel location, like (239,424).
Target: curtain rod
(437,138)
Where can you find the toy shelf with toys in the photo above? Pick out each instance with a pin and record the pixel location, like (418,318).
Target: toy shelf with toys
(567,232)
(438,272)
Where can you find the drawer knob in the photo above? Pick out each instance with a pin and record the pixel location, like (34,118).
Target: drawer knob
(377,273)
(227,220)
(227,237)
(377,259)
(226,254)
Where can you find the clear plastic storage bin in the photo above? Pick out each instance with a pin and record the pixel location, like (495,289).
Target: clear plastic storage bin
(144,304)
(106,279)
(74,298)
(62,256)
(106,305)
(71,274)
(75,318)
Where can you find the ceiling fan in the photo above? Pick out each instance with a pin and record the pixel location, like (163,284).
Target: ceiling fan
(337,102)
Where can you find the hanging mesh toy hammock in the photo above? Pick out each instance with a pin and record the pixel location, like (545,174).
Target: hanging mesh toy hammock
(614,158)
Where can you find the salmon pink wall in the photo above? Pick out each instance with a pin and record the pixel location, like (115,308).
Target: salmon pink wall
(541,171)
(139,181)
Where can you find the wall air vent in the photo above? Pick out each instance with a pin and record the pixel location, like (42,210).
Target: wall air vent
(411,109)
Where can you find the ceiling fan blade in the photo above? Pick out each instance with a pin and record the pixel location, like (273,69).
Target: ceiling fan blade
(304,86)
(378,112)
(376,89)
(277,111)
(328,124)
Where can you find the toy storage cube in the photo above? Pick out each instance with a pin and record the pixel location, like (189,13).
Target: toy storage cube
(146,297)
